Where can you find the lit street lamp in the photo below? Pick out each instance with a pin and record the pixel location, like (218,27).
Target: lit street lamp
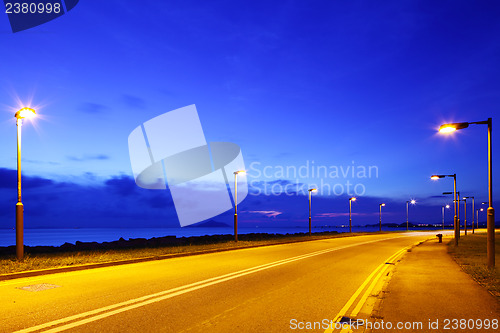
(236,203)
(380,216)
(446,206)
(457,203)
(20,115)
(477,216)
(350,201)
(455,219)
(408,202)
(465,198)
(490,224)
(310,190)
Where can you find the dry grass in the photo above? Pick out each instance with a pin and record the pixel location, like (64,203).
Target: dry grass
(471,256)
(9,264)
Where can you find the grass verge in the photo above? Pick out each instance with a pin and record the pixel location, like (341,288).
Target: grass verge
(470,254)
(9,264)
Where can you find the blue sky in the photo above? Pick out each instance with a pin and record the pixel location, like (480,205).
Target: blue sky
(291,82)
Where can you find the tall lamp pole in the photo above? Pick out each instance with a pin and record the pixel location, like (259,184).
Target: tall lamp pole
(457,203)
(455,219)
(408,202)
(490,224)
(20,115)
(350,202)
(477,216)
(310,191)
(236,173)
(465,198)
(445,206)
(380,216)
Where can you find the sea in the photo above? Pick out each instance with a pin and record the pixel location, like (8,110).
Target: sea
(57,237)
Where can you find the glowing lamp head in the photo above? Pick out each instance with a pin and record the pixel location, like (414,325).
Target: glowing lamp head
(382,204)
(313,190)
(352,199)
(482,209)
(240,171)
(449,128)
(25,113)
(413,202)
(436,177)
(447,206)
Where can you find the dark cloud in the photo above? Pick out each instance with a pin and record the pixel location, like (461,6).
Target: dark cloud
(92,108)
(115,202)
(8,179)
(98,157)
(122,185)
(134,101)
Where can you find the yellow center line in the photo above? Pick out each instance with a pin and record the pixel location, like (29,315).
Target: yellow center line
(368,291)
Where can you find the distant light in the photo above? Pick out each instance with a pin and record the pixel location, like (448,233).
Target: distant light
(25,113)
(382,204)
(352,199)
(482,209)
(447,206)
(413,202)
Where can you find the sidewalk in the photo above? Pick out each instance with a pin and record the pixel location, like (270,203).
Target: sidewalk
(429,287)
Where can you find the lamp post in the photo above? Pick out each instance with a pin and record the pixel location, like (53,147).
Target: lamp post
(490,222)
(310,191)
(457,205)
(477,216)
(350,201)
(407,202)
(236,173)
(465,198)
(380,216)
(455,219)
(20,115)
(445,206)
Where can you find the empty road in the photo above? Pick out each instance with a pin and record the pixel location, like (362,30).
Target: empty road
(266,289)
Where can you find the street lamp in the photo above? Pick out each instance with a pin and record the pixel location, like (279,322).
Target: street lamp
(20,115)
(490,224)
(477,216)
(350,201)
(464,199)
(236,173)
(471,197)
(457,203)
(455,219)
(380,216)
(310,191)
(446,206)
(407,202)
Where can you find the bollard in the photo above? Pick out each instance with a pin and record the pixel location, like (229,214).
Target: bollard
(440,236)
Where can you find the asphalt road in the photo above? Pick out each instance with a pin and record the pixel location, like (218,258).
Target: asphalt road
(264,289)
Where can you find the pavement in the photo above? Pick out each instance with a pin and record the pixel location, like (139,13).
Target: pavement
(430,288)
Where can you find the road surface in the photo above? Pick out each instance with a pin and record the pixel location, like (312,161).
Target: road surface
(266,289)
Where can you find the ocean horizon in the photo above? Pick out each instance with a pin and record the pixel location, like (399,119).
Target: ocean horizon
(57,237)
